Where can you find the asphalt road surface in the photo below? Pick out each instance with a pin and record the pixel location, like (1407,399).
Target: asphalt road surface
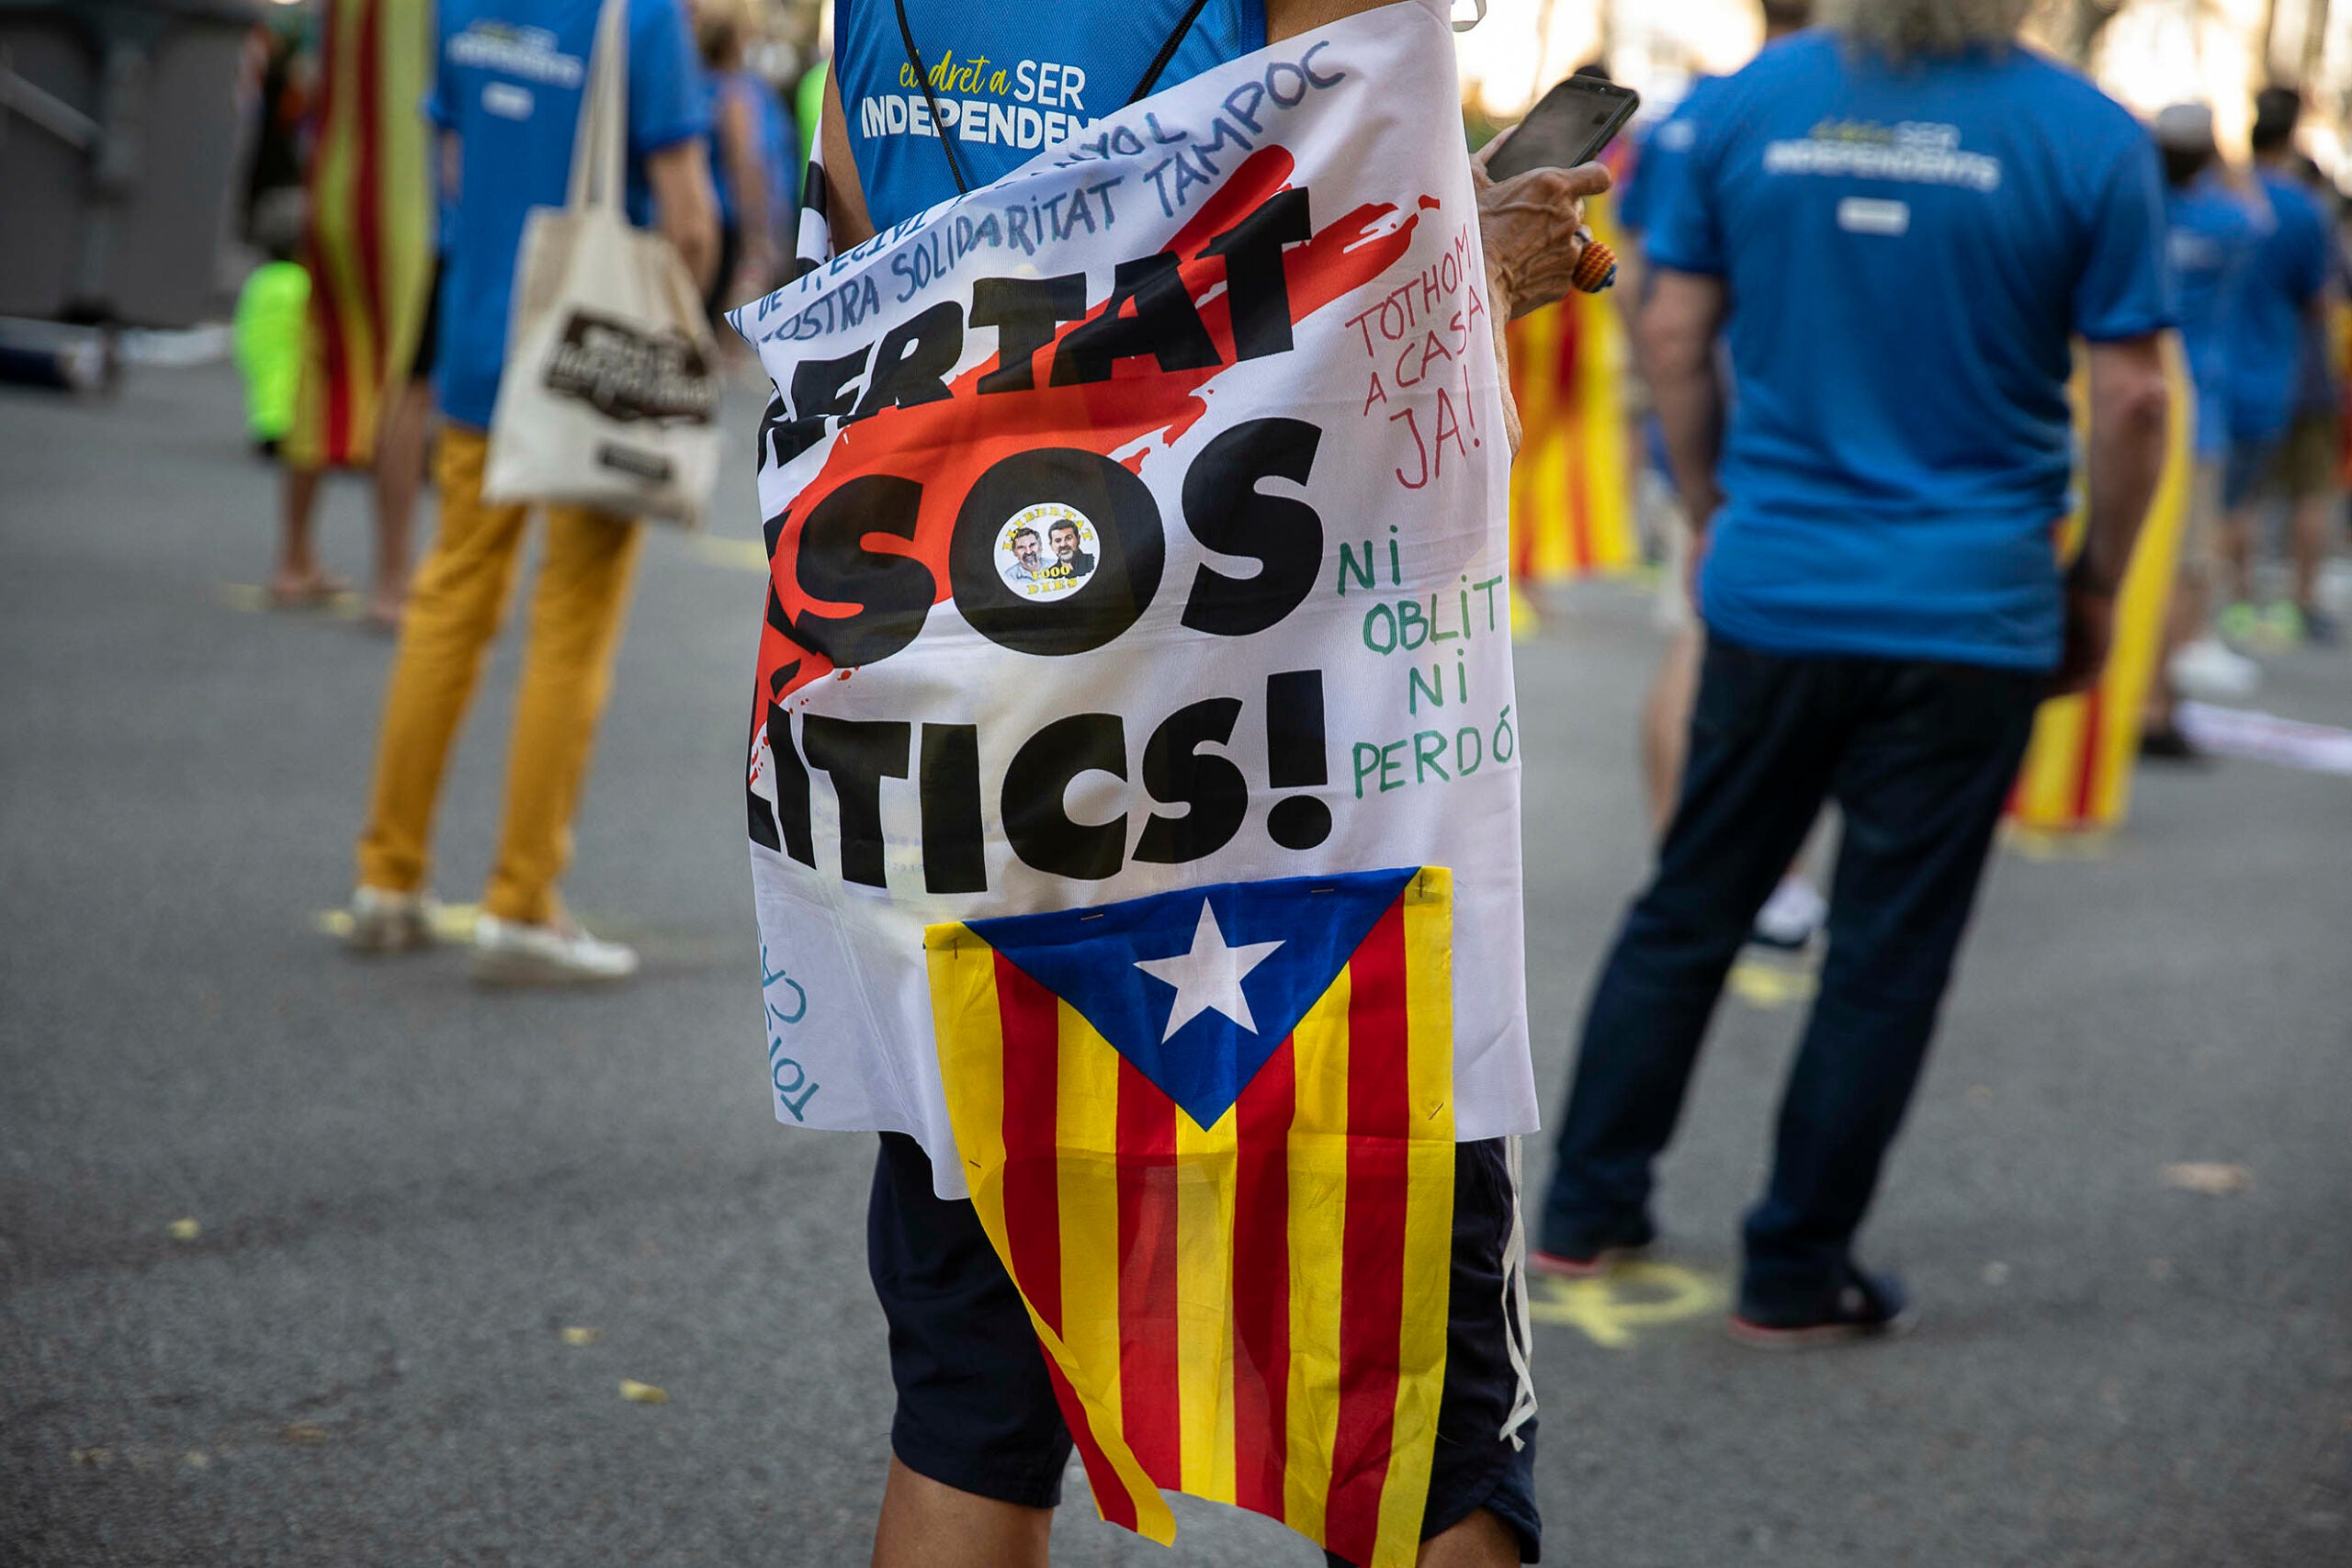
(306,1259)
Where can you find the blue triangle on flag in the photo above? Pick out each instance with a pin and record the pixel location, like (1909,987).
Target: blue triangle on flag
(1233,967)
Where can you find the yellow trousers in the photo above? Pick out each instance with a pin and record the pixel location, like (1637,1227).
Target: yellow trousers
(461,590)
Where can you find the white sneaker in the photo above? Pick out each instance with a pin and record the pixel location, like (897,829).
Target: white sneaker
(386,921)
(1791,914)
(508,953)
(2207,670)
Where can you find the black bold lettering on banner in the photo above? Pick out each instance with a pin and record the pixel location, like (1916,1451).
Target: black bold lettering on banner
(1036,813)
(1131,551)
(1225,511)
(952,861)
(791,790)
(859,754)
(1294,757)
(1024,311)
(775,423)
(1255,285)
(1164,325)
(763,821)
(893,593)
(915,360)
(1177,773)
(819,387)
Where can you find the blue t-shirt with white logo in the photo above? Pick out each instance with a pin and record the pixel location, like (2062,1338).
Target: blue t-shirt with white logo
(1907,254)
(2209,236)
(512,75)
(1011,81)
(2271,377)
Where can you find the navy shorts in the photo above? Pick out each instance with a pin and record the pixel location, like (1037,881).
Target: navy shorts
(977,1410)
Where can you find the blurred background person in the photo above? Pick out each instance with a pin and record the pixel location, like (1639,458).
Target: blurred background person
(2283,438)
(753,168)
(367,246)
(1877,574)
(2212,229)
(512,78)
(1792,917)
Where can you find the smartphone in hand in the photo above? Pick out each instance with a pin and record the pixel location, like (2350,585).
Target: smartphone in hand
(1575,120)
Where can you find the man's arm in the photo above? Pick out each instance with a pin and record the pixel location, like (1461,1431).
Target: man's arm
(684,207)
(845,211)
(1678,325)
(2131,408)
(739,139)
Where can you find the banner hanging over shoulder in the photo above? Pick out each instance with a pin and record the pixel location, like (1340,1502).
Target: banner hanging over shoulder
(1137,525)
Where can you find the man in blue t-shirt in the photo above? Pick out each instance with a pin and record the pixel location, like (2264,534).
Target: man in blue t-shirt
(511,78)
(2283,434)
(1897,237)
(920,103)
(2211,230)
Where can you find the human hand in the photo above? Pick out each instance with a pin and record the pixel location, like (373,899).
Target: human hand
(2090,632)
(1531,226)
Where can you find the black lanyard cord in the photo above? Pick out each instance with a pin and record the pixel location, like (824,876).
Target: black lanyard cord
(1167,52)
(946,145)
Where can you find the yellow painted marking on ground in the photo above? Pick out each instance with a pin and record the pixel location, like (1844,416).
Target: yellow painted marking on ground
(743,555)
(252,599)
(183,1230)
(1763,983)
(2204,1176)
(2044,844)
(638,1393)
(197,1458)
(1614,1308)
(577,1336)
(452,923)
(305,1432)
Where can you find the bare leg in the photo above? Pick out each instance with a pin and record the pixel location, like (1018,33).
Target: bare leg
(298,579)
(1666,724)
(2307,542)
(2234,550)
(400,469)
(1481,1541)
(928,1524)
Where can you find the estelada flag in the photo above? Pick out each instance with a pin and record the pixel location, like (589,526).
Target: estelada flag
(369,238)
(1211,1134)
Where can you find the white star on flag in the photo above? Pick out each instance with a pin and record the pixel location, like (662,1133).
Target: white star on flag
(1208,978)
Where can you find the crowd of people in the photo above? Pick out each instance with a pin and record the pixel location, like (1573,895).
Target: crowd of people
(1859,271)
(2260,264)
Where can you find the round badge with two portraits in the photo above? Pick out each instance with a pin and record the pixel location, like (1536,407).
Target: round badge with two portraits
(1048,551)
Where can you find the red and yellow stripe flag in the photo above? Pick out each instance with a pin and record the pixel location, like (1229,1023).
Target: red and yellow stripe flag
(2076,776)
(1211,1134)
(1572,488)
(368,246)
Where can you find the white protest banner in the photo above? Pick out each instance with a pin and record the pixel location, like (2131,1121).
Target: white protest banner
(1137,524)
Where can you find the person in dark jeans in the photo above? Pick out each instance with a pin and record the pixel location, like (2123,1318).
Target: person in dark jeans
(1880,582)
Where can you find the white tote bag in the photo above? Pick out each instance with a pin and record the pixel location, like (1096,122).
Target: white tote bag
(610,398)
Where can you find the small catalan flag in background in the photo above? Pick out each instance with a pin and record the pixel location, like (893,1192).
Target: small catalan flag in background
(1211,1134)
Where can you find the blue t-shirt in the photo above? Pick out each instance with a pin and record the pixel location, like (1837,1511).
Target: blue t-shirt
(1907,253)
(1011,81)
(772,128)
(2270,379)
(2209,236)
(512,76)
(1657,147)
